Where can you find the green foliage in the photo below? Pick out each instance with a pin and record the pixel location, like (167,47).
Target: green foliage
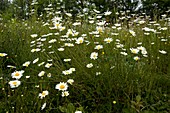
(22,8)
(116,82)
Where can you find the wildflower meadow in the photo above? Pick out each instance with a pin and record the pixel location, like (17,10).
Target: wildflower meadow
(92,61)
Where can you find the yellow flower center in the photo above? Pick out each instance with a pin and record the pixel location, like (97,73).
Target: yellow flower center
(43,93)
(17,74)
(62,86)
(81,41)
(14,83)
(108,41)
(134,51)
(57,25)
(100,29)
(94,55)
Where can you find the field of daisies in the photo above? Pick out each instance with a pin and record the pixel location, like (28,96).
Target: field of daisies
(88,63)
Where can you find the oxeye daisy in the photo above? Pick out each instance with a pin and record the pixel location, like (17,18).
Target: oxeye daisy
(60,49)
(43,94)
(65,94)
(48,65)
(57,25)
(62,86)
(52,41)
(78,111)
(72,69)
(101,23)
(3,54)
(67,60)
(10,66)
(94,55)
(34,35)
(42,63)
(132,32)
(49,75)
(26,64)
(17,74)
(68,14)
(90,65)
(108,40)
(14,83)
(99,47)
(80,40)
(43,106)
(41,73)
(124,53)
(107,13)
(35,50)
(70,81)
(35,61)
(134,50)
(67,72)
(136,58)
(162,51)
(99,29)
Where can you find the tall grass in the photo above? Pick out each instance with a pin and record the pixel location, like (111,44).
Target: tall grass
(115,83)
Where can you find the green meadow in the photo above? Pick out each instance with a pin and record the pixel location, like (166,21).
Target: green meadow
(61,63)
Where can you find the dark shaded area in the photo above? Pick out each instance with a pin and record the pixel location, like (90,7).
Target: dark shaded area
(22,8)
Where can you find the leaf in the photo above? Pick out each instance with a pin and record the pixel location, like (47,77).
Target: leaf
(152,108)
(70,108)
(80,108)
(62,109)
(138,98)
(126,110)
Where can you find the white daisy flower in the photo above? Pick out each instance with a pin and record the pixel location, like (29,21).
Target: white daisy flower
(43,106)
(107,13)
(14,83)
(67,60)
(94,55)
(42,63)
(10,66)
(61,86)
(35,50)
(80,40)
(99,47)
(34,35)
(52,41)
(124,53)
(70,81)
(78,111)
(72,69)
(41,73)
(100,29)
(48,65)
(134,50)
(162,51)
(136,58)
(43,94)
(90,65)
(3,54)
(132,33)
(26,64)
(35,61)
(67,72)
(65,94)
(17,74)
(108,40)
